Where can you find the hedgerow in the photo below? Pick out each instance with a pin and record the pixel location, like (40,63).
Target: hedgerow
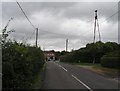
(20,65)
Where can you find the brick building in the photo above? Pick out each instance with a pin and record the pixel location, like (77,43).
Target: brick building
(49,56)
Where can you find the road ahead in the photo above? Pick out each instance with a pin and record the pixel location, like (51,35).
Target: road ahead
(66,76)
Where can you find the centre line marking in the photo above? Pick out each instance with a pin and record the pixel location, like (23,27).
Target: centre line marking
(63,68)
(82,83)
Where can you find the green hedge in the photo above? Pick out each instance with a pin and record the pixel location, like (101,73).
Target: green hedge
(20,65)
(91,51)
(77,56)
(111,62)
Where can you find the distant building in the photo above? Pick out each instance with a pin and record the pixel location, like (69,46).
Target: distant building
(49,56)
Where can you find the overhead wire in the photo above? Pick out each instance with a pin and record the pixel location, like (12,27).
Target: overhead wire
(110,16)
(103,20)
(43,30)
(32,24)
(54,32)
(25,15)
(91,28)
(110,9)
(106,19)
(91,20)
(29,37)
(27,19)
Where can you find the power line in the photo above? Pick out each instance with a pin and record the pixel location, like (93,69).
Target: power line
(29,38)
(90,29)
(25,15)
(29,22)
(91,20)
(111,8)
(106,19)
(52,32)
(49,31)
(31,35)
(110,16)
(32,24)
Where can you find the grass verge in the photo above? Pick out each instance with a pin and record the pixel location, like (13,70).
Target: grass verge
(37,83)
(97,68)
(109,72)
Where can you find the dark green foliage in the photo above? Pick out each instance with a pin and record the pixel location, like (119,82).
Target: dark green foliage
(20,64)
(67,58)
(91,51)
(77,56)
(111,60)
(63,52)
(57,55)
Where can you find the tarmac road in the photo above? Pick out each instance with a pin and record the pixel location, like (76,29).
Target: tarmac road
(66,76)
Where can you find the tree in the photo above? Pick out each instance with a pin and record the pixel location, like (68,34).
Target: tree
(91,53)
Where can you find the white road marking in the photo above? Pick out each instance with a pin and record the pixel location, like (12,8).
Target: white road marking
(63,68)
(76,78)
(82,83)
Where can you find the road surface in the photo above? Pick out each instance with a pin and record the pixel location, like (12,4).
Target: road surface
(66,76)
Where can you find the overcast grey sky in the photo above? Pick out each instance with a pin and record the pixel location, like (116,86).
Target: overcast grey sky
(58,21)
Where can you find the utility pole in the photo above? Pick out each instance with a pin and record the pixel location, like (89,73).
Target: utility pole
(66,45)
(96,25)
(36,36)
(43,48)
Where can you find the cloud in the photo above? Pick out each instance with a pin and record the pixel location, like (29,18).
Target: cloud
(58,21)
(81,10)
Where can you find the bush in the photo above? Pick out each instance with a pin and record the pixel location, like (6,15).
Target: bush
(20,64)
(91,51)
(77,56)
(111,60)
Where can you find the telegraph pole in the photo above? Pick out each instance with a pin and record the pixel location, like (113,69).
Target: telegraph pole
(36,36)
(96,25)
(66,45)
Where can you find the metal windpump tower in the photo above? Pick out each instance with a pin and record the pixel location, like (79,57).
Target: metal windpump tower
(96,25)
